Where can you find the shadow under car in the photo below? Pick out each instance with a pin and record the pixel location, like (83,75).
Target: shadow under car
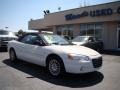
(68,80)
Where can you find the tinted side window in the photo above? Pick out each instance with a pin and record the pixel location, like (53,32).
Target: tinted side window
(25,39)
(29,39)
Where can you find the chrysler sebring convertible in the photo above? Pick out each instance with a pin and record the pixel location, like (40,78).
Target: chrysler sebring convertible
(55,53)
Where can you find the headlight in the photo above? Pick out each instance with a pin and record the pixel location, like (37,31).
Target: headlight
(78,57)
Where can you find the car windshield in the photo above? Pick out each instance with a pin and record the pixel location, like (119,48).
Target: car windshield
(80,39)
(55,39)
(2,32)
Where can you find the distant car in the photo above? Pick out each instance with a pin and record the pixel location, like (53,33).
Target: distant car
(5,37)
(55,53)
(89,41)
(67,37)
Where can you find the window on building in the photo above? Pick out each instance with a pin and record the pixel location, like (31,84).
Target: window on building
(58,32)
(98,30)
(83,29)
(65,30)
(91,30)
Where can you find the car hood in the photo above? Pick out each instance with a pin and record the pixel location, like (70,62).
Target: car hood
(75,49)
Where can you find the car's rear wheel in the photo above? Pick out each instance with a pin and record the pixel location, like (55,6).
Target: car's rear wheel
(55,66)
(12,55)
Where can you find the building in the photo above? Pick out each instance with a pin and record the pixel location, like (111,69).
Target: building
(102,21)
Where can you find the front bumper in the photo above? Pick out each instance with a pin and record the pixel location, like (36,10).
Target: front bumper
(78,66)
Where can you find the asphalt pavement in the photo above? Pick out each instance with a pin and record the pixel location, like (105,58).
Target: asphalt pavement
(26,76)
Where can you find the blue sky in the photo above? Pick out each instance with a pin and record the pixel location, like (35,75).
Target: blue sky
(15,14)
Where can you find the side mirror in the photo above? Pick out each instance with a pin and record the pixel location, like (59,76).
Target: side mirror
(38,42)
(89,40)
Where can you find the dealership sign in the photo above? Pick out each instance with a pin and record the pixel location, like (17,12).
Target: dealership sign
(94,13)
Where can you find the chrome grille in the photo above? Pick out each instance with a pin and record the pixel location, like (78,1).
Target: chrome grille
(97,62)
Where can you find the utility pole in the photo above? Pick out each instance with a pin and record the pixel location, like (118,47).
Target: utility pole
(84,3)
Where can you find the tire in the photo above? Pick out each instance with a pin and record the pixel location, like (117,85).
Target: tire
(12,55)
(55,66)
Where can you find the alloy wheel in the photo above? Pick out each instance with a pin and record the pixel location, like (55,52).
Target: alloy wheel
(54,67)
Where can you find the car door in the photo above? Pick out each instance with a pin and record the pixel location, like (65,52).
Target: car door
(24,48)
(30,51)
(37,50)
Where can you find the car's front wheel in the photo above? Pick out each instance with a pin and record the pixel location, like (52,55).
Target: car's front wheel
(55,66)
(12,55)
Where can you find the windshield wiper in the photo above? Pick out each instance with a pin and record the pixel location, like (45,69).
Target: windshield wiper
(56,43)
(67,44)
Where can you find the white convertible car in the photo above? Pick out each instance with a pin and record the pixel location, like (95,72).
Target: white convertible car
(55,53)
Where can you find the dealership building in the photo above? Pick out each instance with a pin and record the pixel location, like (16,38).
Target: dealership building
(101,21)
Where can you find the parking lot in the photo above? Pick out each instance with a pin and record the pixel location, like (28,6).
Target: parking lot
(26,76)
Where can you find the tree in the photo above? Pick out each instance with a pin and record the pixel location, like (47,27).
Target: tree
(20,33)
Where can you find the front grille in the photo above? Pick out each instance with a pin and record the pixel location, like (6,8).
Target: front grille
(3,44)
(3,39)
(97,62)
